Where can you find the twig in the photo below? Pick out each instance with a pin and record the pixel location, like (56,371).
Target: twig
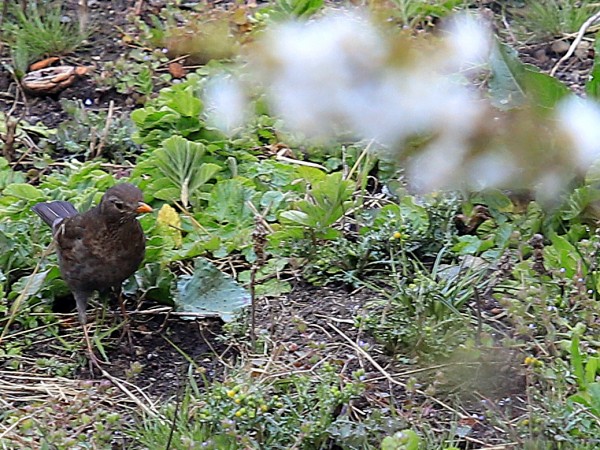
(175,413)
(151,410)
(104,136)
(359,160)
(279,157)
(479,320)
(588,23)
(185,211)
(83,11)
(259,238)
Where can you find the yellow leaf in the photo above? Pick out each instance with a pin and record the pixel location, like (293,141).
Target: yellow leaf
(170,223)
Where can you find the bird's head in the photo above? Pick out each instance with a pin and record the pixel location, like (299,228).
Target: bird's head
(123,202)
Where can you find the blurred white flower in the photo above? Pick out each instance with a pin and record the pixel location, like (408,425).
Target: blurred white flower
(579,119)
(225,104)
(491,169)
(335,73)
(439,166)
(469,40)
(321,70)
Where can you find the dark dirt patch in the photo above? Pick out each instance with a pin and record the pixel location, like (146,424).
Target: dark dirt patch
(163,350)
(574,72)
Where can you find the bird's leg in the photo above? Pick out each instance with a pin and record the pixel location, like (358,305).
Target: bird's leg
(81,300)
(94,361)
(126,322)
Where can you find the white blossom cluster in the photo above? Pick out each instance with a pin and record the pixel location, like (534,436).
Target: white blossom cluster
(343,72)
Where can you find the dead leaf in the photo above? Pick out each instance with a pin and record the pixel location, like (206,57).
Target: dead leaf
(43,63)
(50,80)
(177,70)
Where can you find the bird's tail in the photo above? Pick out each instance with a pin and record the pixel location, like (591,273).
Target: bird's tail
(53,212)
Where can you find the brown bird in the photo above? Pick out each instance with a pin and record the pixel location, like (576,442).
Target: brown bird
(99,249)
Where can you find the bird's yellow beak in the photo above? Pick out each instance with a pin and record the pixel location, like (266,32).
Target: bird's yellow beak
(143,208)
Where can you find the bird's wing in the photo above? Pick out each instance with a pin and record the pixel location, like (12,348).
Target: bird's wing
(69,232)
(54,212)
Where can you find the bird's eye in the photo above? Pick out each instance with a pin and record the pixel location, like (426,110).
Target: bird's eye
(118,205)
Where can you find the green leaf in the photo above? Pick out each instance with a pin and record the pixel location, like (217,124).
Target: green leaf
(186,104)
(228,202)
(514,84)
(563,255)
(210,292)
(31,284)
(296,217)
(414,213)
(154,281)
(577,362)
(180,160)
(593,390)
(592,87)
(23,191)
(591,368)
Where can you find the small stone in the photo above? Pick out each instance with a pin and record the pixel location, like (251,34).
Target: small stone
(540,55)
(560,47)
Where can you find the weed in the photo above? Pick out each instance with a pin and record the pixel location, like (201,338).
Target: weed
(246,413)
(94,134)
(414,13)
(552,18)
(39,31)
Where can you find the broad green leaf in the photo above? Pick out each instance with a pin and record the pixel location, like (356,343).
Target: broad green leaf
(514,84)
(297,217)
(180,160)
(593,390)
(186,104)
(154,281)
(31,284)
(563,255)
(210,292)
(228,202)
(591,368)
(467,245)
(23,191)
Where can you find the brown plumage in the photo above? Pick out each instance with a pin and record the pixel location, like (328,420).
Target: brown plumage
(98,249)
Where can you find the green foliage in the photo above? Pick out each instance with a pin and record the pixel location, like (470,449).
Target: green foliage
(63,424)
(177,171)
(135,74)
(552,18)
(420,314)
(210,292)
(91,133)
(176,111)
(328,199)
(412,13)
(255,414)
(285,9)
